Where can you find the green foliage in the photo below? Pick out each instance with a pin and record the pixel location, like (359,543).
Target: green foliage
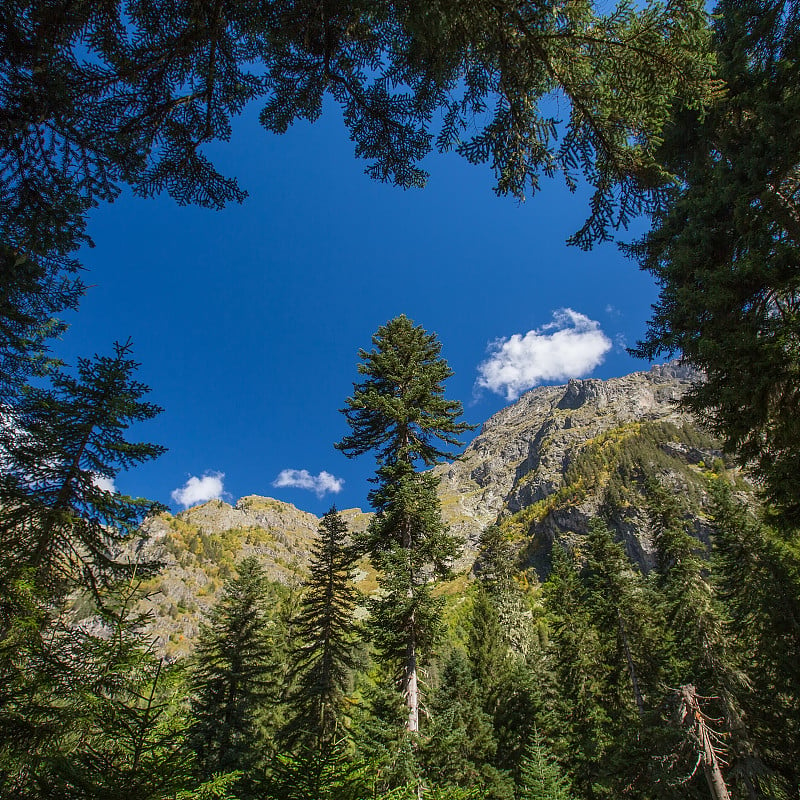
(705,657)
(624,610)
(757,577)
(314,774)
(399,412)
(636,647)
(232,678)
(725,249)
(99,98)
(56,519)
(323,662)
(380,736)
(541,777)
(216,788)
(110,723)
(581,670)
(33,292)
(461,746)
(507,649)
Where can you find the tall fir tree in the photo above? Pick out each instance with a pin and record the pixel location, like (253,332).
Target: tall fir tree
(621,611)
(60,521)
(399,412)
(123,724)
(460,748)
(582,674)
(324,660)
(61,524)
(725,248)
(705,657)
(636,647)
(756,575)
(507,647)
(233,677)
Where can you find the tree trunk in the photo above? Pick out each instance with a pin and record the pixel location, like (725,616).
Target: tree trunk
(711,768)
(637,693)
(690,707)
(410,683)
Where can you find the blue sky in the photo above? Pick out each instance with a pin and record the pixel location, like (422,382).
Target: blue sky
(247,321)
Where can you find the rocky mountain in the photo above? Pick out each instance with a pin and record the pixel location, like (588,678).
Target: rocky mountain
(560,455)
(541,468)
(199,548)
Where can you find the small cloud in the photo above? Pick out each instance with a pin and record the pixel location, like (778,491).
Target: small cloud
(620,341)
(570,346)
(199,490)
(613,311)
(104,483)
(302,479)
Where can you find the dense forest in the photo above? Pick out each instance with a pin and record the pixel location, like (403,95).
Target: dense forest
(590,678)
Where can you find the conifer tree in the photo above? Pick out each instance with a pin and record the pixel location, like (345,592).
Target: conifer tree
(582,673)
(725,249)
(496,568)
(461,746)
(231,678)
(686,593)
(122,725)
(58,519)
(636,647)
(324,660)
(487,642)
(624,611)
(507,649)
(756,575)
(541,777)
(704,655)
(399,412)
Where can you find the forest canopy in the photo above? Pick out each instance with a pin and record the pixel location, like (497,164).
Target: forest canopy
(566,689)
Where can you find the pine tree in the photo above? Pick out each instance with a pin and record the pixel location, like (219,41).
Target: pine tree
(756,575)
(507,647)
(582,674)
(461,746)
(725,249)
(231,680)
(686,594)
(705,657)
(636,648)
(58,522)
(399,412)
(541,777)
(122,722)
(496,568)
(324,661)
(61,529)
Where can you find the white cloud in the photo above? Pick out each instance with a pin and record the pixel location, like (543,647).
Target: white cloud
(199,490)
(104,483)
(570,346)
(303,479)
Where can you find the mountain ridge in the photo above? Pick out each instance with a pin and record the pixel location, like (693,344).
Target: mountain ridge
(540,468)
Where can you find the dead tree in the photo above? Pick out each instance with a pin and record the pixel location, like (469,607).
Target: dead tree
(705,739)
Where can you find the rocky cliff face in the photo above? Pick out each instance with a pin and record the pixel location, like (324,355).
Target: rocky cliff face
(524,457)
(199,548)
(541,468)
